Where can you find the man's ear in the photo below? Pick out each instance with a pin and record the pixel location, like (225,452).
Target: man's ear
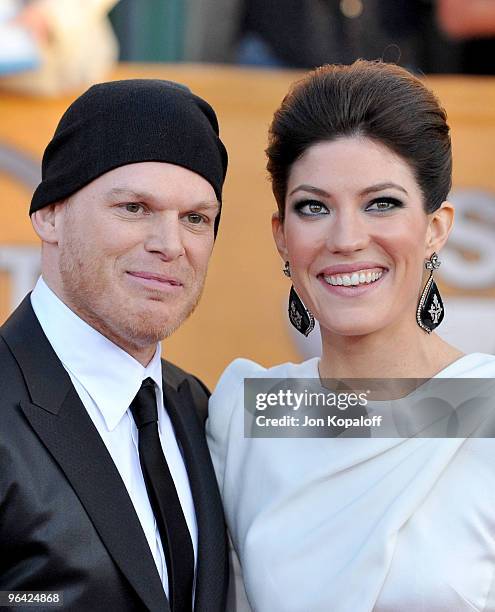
(46,222)
(439,227)
(279,235)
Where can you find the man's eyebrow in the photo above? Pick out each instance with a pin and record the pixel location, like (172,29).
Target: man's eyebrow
(208,205)
(130,193)
(138,196)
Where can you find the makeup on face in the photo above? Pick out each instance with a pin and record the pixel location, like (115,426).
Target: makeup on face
(354,233)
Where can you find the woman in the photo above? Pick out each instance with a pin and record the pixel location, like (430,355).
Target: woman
(360,162)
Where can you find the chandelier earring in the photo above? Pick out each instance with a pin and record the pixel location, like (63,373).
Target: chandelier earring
(430,311)
(300,317)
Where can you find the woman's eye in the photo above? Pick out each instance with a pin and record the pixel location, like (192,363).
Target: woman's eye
(311,208)
(384,205)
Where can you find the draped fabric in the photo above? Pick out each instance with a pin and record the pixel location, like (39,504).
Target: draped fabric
(354,525)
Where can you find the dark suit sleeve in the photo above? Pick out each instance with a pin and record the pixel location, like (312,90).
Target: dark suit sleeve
(199,391)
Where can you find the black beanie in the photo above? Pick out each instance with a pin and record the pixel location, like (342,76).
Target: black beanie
(125,122)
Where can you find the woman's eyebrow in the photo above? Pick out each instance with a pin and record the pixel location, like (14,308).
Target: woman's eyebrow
(371,189)
(381,187)
(311,189)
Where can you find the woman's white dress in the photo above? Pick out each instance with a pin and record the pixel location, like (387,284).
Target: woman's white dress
(354,525)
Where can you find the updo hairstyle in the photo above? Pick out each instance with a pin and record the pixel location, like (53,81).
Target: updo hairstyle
(370,99)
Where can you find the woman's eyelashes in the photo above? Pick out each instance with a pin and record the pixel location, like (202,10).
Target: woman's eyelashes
(384,204)
(314,208)
(310,208)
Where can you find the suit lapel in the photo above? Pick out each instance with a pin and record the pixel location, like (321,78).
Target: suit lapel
(212,556)
(60,420)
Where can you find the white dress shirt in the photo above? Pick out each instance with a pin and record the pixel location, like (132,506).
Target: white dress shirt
(107,379)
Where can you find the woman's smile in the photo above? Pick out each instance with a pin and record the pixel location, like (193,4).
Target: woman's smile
(353,284)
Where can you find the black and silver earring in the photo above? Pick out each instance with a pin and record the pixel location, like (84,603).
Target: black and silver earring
(430,310)
(300,317)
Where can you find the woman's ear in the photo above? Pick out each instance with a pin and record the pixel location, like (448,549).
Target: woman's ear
(279,235)
(45,222)
(439,227)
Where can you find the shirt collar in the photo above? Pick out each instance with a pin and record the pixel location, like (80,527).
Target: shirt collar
(110,375)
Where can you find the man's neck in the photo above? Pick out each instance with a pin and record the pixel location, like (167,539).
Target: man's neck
(143,354)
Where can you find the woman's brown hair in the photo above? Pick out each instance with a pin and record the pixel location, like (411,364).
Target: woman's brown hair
(380,101)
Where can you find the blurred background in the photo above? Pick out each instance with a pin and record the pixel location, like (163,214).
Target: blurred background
(242,55)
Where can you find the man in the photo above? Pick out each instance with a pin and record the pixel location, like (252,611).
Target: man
(107,492)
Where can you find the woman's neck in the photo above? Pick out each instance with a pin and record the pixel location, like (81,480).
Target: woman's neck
(403,352)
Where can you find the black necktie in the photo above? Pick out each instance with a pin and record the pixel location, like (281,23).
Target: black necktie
(162,494)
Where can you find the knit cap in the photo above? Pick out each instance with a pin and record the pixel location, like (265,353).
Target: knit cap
(130,121)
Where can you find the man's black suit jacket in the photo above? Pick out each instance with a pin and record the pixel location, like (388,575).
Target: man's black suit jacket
(66,520)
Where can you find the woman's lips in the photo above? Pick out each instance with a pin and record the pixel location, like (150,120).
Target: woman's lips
(156,281)
(349,268)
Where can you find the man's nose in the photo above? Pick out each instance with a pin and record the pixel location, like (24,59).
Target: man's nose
(165,236)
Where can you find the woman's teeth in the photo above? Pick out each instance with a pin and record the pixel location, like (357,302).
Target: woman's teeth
(356,278)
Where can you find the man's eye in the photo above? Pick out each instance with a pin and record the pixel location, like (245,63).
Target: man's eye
(133,207)
(384,204)
(311,208)
(195,219)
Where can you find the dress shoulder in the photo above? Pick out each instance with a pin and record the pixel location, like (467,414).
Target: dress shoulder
(230,387)
(234,374)
(226,405)
(472,365)
(227,394)
(225,399)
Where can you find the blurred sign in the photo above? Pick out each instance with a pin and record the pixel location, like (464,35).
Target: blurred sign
(22,264)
